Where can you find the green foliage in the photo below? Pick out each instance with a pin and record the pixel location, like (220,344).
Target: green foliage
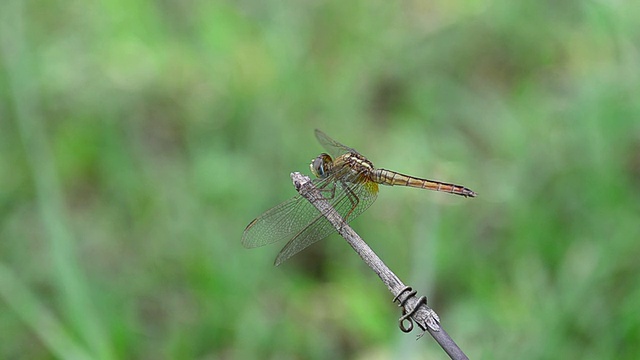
(138,139)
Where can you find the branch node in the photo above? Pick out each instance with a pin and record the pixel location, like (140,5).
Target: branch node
(409,310)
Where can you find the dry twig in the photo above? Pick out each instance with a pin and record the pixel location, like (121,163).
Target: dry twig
(415,309)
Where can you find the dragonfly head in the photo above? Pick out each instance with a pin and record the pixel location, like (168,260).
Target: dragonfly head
(320,166)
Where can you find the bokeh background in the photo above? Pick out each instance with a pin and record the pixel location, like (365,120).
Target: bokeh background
(138,139)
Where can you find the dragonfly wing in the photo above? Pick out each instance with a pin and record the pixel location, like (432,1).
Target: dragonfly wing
(319,229)
(277,223)
(284,221)
(350,200)
(334,148)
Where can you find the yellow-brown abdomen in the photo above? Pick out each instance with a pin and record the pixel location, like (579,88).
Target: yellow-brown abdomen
(392,178)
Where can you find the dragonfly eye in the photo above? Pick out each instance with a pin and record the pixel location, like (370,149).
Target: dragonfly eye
(320,165)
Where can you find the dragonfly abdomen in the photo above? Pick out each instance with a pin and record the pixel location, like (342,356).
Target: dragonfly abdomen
(388,177)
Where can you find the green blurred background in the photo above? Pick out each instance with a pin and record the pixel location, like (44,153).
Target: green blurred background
(138,139)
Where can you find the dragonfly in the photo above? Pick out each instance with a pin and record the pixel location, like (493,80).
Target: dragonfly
(348,181)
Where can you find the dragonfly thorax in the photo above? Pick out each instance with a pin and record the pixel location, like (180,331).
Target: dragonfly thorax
(321,166)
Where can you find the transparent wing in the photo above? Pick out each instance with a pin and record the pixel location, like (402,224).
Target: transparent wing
(350,200)
(288,219)
(278,223)
(298,221)
(334,148)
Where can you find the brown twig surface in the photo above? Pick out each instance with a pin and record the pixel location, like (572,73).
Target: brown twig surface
(415,309)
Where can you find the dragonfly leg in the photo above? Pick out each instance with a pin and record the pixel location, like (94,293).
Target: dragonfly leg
(331,190)
(353,198)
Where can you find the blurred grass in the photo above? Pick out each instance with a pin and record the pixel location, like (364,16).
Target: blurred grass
(137,140)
